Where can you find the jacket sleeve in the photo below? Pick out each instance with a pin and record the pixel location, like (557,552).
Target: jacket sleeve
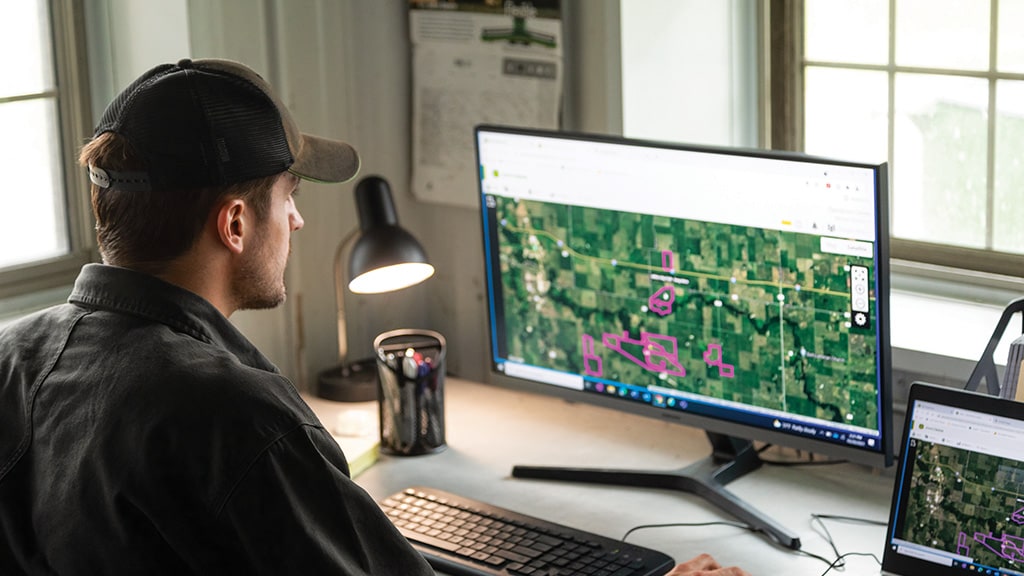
(296,511)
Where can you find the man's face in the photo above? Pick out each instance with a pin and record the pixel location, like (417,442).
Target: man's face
(259,282)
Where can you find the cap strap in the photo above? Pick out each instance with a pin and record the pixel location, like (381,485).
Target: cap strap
(127,181)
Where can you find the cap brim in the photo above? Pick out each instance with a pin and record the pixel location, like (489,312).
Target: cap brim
(324,160)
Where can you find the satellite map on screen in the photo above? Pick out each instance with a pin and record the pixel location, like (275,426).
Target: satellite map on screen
(967,503)
(752,315)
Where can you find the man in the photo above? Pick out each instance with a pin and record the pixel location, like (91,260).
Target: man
(140,432)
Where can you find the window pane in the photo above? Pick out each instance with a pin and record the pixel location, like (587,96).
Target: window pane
(855,31)
(25,32)
(32,222)
(1008,220)
(845,114)
(943,33)
(939,161)
(1011,39)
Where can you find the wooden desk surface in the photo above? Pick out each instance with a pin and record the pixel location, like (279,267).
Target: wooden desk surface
(491,428)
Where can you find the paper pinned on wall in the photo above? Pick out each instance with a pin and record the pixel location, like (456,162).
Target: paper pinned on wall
(478,62)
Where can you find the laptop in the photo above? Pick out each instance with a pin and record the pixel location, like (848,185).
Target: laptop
(958,501)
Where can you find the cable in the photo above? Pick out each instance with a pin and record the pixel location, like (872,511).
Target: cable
(803,552)
(688,525)
(841,560)
(746,527)
(818,519)
(853,519)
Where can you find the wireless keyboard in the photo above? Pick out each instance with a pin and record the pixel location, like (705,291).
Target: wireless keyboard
(462,536)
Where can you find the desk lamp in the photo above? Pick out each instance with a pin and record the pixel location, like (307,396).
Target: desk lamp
(382,257)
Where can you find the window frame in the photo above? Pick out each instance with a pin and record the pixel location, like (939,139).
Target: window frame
(785,129)
(67,30)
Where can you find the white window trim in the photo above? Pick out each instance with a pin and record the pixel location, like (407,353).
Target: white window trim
(916,258)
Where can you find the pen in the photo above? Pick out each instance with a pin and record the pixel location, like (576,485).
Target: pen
(409,366)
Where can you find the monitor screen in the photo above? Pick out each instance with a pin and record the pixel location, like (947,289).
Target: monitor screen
(744,292)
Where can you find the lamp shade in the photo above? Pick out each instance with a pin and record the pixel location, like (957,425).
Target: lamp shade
(384,256)
(379,256)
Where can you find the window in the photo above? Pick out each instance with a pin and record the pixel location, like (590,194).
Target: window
(45,116)
(934,87)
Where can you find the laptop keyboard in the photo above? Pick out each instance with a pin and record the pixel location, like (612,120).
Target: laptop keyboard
(463,536)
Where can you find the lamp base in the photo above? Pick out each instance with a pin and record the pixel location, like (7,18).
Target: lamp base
(352,382)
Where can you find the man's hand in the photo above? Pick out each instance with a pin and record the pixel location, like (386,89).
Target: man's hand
(705,565)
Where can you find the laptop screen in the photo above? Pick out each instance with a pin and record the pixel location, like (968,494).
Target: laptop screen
(958,506)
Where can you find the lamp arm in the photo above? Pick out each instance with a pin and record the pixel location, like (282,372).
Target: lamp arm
(340,284)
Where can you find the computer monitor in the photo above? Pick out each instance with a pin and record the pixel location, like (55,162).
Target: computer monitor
(741,291)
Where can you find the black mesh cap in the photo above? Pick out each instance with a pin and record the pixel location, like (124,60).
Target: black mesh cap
(212,123)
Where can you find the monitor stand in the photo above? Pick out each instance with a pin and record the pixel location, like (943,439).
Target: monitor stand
(730,458)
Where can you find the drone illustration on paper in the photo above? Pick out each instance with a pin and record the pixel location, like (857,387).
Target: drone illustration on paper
(658,352)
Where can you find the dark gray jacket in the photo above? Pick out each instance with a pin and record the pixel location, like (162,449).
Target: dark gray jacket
(141,433)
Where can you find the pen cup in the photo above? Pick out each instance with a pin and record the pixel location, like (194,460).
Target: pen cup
(410,369)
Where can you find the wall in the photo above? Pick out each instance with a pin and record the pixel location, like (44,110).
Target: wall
(127,37)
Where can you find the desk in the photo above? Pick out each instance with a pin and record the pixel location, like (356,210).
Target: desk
(491,428)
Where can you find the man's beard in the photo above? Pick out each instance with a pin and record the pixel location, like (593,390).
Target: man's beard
(257,286)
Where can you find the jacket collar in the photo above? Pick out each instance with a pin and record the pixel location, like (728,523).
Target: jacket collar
(126,291)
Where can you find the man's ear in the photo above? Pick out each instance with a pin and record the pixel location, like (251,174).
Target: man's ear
(232,225)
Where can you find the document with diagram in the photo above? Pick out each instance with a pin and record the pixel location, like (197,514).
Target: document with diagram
(477,62)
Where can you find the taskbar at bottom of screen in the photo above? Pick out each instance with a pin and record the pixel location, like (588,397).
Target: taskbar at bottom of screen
(741,414)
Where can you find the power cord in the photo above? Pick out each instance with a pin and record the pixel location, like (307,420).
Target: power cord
(819,520)
(841,560)
(741,525)
(838,563)
(688,525)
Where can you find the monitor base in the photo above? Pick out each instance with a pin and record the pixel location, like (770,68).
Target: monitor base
(730,459)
